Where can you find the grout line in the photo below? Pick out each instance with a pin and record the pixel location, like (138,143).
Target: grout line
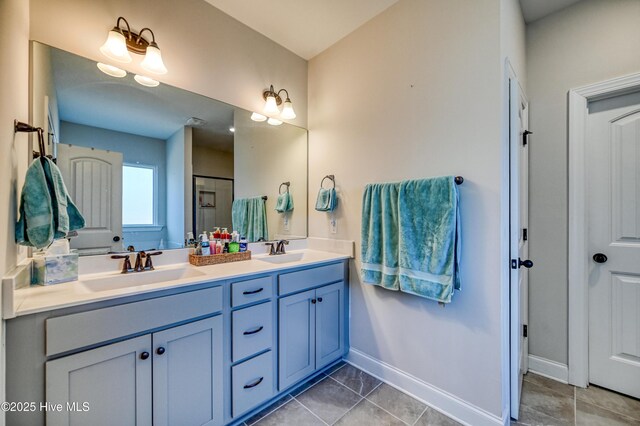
(354,406)
(371,391)
(426,407)
(262,417)
(388,412)
(309,410)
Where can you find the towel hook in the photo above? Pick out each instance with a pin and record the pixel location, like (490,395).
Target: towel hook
(287,184)
(330,177)
(19,126)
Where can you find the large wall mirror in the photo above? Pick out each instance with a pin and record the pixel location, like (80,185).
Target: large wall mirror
(147,165)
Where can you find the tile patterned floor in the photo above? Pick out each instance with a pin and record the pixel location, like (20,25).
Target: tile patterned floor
(550,403)
(348,396)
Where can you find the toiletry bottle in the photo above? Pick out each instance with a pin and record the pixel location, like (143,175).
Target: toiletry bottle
(218,247)
(206,248)
(234,245)
(225,235)
(243,244)
(216,234)
(190,239)
(225,249)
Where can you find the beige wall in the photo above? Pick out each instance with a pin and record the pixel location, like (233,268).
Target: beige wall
(14,86)
(205,50)
(413,93)
(212,162)
(264,157)
(592,41)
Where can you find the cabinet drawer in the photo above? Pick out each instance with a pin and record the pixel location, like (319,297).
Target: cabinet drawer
(309,278)
(252,330)
(76,331)
(252,383)
(250,291)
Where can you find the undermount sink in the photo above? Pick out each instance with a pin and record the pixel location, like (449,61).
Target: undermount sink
(282,258)
(134,279)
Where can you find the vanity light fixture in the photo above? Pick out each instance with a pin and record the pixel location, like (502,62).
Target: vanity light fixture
(146,81)
(121,41)
(274,121)
(111,70)
(258,117)
(273,100)
(232,129)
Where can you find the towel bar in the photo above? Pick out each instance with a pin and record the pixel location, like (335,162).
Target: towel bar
(264,197)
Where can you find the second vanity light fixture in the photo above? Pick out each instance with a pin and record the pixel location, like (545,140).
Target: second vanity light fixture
(271,107)
(121,41)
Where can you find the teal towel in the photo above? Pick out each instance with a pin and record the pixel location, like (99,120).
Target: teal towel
(430,239)
(411,237)
(284,203)
(380,235)
(46,210)
(249,218)
(327,200)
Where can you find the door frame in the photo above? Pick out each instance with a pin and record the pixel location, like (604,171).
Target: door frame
(578,99)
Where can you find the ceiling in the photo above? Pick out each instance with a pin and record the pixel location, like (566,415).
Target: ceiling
(532,10)
(85,95)
(306,27)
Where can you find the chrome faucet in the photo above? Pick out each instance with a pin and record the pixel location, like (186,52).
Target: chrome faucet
(280,247)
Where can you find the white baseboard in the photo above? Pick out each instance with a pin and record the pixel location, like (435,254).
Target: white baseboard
(438,399)
(547,368)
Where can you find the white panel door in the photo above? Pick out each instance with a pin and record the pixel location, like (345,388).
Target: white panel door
(519,245)
(94,181)
(613,182)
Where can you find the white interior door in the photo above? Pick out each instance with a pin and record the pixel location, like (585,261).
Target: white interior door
(613,183)
(519,245)
(94,181)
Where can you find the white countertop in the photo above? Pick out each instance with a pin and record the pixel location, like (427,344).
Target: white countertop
(33,299)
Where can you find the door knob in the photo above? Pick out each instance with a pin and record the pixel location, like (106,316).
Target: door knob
(600,258)
(116,239)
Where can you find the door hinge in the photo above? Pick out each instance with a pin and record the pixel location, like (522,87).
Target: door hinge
(525,331)
(525,137)
(525,234)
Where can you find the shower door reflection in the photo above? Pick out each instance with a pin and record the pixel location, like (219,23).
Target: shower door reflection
(212,199)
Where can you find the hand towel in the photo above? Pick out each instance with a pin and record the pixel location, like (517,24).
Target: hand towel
(284,203)
(380,235)
(249,218)
(327,200)
(46,210)
(429,238)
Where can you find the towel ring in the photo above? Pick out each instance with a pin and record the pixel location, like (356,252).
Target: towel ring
(332,178)
(287,184)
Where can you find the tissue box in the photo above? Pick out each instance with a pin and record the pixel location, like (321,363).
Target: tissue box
(54,269)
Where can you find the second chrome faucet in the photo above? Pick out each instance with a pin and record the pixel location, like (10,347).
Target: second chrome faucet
(277,247)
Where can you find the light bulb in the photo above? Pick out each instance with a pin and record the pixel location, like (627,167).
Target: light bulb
(115,47)
(152,61)
(271,106)
(287,110)
(146,81)
(258,117)
(274,121)
(111,70)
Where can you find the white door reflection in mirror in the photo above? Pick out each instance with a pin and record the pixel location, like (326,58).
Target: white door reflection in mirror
(94,181)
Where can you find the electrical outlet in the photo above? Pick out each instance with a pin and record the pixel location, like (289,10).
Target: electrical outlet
(286,223)
(333,226)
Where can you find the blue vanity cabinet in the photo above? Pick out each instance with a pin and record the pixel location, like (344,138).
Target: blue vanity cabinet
(179,369)
(312,332)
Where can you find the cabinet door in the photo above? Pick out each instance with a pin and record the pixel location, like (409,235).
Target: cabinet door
(329,324)
(187,374)
(297,337)
(114,381)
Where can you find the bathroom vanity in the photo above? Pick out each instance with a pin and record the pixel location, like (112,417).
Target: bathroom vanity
(208,348)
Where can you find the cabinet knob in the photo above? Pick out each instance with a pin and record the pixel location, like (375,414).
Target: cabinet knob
(144,355)
(160,350)
(319,299)
(313,301)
